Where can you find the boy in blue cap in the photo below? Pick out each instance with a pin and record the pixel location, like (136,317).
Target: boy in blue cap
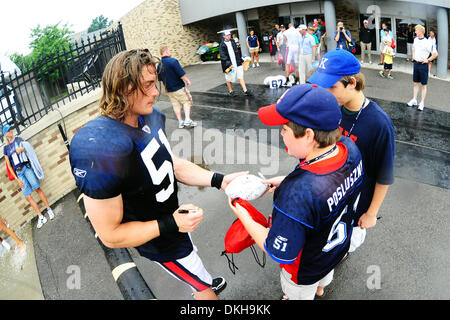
(19,165)
(364,122)
(314,206)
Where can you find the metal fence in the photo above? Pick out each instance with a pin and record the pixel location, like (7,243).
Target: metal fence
(45,85)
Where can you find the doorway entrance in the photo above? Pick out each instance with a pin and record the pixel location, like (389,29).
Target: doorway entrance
(298,20)
(398,26)
(401,26)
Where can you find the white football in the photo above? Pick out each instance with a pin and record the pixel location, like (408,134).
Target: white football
(247,187)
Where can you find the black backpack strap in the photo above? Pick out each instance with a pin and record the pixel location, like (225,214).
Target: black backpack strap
(255,255)
(231,263)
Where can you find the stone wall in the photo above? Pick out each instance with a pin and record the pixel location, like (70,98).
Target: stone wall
(347,11)
(268,17)
(155,23)
(53,155)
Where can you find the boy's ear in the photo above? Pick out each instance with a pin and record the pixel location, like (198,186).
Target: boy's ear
(352,82)
(309,133)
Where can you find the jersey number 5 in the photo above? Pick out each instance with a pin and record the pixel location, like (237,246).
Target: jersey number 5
(339,229)
(166,169)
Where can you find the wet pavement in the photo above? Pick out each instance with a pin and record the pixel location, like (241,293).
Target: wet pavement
(19,277)
(408,246)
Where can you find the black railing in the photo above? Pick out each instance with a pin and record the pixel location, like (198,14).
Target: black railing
(47,84)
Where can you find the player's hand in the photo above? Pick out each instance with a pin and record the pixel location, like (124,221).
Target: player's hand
(188,222)
(188,83)
(273,183)
(230,177)
(20,183)
(367,220)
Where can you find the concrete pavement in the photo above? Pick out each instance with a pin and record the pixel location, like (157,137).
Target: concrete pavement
(19,277)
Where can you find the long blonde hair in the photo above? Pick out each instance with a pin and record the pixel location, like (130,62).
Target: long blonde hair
(121,72)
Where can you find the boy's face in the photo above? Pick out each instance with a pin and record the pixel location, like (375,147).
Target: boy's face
(9,135)
(341,93)
(296,147)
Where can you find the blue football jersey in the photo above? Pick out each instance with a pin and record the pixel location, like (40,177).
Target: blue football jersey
(110,158)
(313,215)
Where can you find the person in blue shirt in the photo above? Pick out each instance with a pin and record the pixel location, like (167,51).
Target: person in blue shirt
(370,128)
(123,164)
(314,206)
(306,53)
(253,47)
(175,81)
(341,35)
(19,165)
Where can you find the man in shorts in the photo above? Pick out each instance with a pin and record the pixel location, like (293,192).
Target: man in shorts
(123,164)
(20,167)
(421,51)
(175,81)
(314,206)
(231,62)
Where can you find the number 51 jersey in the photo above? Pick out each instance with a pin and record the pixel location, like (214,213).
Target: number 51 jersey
(313,215)
(110,158)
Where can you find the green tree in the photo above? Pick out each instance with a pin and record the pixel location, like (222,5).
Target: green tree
(98,23)
(21,61)
(49,41)
(46,44)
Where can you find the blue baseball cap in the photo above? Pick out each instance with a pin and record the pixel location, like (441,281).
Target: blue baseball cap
(6,128)
(307,105)
(333,66)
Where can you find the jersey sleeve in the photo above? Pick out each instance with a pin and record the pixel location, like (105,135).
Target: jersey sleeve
(285,240)
(99,165)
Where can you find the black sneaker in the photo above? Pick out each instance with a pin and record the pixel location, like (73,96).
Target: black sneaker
(218,284)
(231,93)
(248,93)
